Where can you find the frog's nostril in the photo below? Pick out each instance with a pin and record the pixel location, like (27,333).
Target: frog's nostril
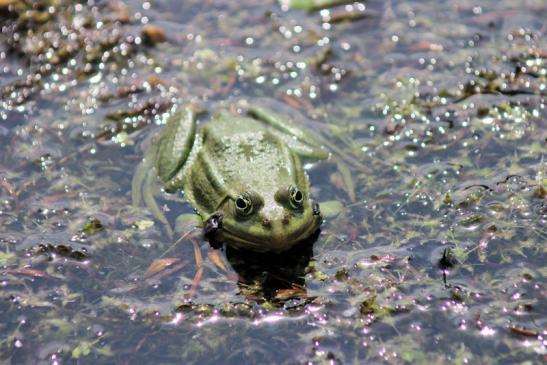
(285,219)
(266,223)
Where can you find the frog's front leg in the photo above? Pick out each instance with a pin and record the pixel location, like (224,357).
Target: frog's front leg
(212,227)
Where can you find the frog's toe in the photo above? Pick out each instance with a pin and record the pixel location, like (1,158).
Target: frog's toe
(213,224)
(315,208)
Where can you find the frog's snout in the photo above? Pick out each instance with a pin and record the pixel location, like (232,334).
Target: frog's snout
(269,222)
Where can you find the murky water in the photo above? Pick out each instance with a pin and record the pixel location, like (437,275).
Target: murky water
(438,109)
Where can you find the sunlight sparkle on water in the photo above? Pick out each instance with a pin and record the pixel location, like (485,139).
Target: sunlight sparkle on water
(214,318)
(273,318)
(487,331)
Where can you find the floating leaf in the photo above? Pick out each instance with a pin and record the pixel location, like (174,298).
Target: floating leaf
(331,208)
(27,271)
(369,306)
(92,227)
(523,331)
(312,4)
(7,258)
(83,349)
(187,222)
(143,224)
(160,265)
(214,256)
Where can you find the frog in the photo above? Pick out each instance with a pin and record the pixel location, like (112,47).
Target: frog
(242,173)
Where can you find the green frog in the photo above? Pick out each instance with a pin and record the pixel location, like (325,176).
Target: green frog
(243,175)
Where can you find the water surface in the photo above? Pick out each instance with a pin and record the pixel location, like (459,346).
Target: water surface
(438,255)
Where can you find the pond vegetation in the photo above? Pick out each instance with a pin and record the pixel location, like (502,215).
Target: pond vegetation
(433,246)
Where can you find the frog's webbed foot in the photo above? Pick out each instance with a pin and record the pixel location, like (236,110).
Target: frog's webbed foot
(137,183)
(304,143)
(211,228)
(142,193)
(164,158)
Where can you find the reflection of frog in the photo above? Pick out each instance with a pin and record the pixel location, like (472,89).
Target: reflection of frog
(243,175)
(272,277)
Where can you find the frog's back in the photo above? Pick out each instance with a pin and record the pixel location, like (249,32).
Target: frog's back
(239,154)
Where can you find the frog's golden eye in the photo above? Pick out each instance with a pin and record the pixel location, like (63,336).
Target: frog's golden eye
(244,205)
(296,197)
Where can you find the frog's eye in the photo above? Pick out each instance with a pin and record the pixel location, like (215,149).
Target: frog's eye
(244,205)
(296,197)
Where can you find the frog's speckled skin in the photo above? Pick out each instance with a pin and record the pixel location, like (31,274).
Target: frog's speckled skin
(255,159)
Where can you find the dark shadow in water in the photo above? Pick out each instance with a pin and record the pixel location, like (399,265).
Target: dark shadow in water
(273,277)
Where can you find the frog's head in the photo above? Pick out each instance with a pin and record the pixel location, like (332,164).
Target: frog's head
(269,222)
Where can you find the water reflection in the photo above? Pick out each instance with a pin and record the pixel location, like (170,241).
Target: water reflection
(273,277)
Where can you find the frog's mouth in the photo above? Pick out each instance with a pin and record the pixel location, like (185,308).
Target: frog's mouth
(243,240)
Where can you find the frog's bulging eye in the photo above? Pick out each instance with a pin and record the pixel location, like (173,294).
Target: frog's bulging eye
(244,205)
(296,197)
